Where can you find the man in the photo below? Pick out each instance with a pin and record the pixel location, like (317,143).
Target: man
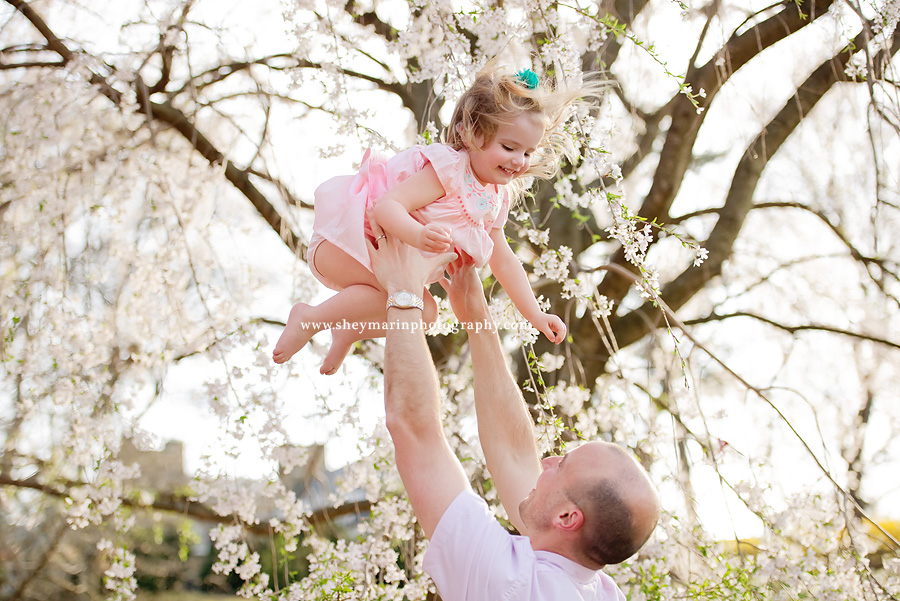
(576,513)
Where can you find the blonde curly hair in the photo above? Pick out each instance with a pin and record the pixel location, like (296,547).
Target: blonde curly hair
(498,96)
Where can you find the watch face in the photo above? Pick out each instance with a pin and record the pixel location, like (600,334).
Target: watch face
(403,299)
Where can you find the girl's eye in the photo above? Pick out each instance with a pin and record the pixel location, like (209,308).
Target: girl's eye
(507,148)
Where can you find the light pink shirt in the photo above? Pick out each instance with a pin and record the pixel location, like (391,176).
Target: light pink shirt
(471,557)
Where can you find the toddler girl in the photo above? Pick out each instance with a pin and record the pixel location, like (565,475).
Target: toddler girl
(440,197)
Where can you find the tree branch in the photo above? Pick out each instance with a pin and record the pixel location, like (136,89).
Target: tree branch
(240,178)
(738,203)
(184,506)
(31,65)
(884,265)
(794,329)
(676,154)
(56,539)
(166,113)
(221,72)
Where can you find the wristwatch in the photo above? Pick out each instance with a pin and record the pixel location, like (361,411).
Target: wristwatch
(405,300)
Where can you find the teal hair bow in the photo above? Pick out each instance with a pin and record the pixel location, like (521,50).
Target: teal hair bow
(527,78)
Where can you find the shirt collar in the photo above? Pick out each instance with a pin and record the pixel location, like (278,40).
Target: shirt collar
(578,572)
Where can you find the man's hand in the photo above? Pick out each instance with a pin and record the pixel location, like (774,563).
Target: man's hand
(398,266)
(466,295)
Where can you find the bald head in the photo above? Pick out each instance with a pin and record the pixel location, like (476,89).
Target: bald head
(619,503)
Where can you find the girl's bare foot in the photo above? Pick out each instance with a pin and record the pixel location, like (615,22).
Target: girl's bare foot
(295,335)
(342,340)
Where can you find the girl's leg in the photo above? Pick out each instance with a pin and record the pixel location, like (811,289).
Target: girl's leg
(355,313)
(350,310)
(297,332)
(360,299)
(343,339)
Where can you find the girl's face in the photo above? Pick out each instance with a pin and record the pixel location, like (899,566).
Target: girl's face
(508,155)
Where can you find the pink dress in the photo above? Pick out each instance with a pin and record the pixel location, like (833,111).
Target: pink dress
(469,209)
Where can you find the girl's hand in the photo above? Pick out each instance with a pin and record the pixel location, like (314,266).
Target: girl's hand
(551,326)
(434,238)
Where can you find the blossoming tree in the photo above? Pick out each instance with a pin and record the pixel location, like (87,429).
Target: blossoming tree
(724,253)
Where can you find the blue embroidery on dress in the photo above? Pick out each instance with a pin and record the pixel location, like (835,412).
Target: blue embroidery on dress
(484,200)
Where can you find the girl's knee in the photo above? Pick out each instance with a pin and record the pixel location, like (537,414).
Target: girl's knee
(340,268)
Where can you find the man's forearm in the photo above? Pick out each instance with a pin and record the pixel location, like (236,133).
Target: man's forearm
(431,473)
(411,387)
(504,423)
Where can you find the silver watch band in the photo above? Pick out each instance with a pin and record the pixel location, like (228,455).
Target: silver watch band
(405,300)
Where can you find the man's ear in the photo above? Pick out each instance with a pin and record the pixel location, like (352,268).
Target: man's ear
(569,518)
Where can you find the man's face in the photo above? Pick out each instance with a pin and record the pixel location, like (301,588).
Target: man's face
(536,510)
(508,155)
(591,461)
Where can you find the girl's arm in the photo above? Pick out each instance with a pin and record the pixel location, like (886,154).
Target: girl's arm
(511,275)
(392,211)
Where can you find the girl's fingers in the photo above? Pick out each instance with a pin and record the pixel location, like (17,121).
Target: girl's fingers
(440,239)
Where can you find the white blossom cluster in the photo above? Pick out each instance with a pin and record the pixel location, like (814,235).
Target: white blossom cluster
(227,497)
(119,577)
(94,503)
(235,556)
(428,135)
(581,289)
(536,236)
(507,317)
(603,307)
(883,29)
(570,399)
(550,363)
(554,264)
(446,321)
(565,194)
(367,568)
(431,42)
(635,239)
(291,523)
(635,236)
(679,562)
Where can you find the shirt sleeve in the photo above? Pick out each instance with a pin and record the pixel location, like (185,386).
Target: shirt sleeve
(472,557)
(502,212)
(449,165)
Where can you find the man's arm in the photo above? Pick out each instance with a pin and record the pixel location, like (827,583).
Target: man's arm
(431,473)
(504,424)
